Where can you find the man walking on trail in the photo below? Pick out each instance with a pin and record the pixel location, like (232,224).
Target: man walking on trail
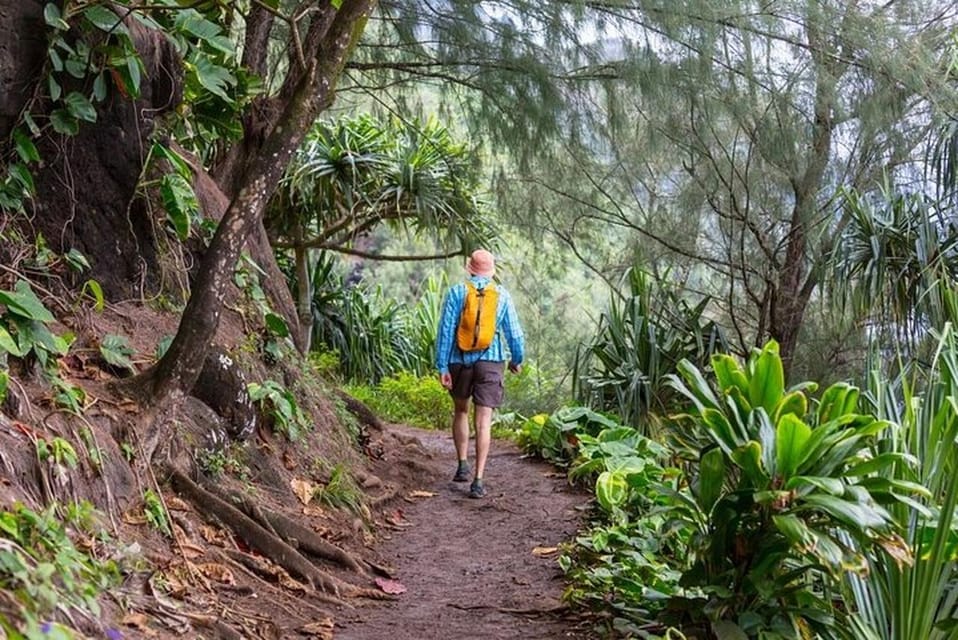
(477,324)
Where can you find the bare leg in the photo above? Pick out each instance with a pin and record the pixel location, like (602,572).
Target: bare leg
(483,436)
(460,427)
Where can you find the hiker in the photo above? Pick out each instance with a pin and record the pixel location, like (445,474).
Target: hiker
(478,322)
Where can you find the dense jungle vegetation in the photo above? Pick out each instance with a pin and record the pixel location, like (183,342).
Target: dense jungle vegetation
(729,228)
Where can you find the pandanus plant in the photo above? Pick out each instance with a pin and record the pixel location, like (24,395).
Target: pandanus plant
(785,498)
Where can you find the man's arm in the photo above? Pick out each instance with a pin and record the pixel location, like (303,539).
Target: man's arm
(514,336)
(448,319)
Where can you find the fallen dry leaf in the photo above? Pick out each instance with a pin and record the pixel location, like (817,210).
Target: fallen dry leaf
(397,519)
(132,517)
(214,535)
(290,583)
(322,629)
(303,489)
(177,504)
(421,494)
(393,587)
(314,511)
(217,572)
(140,622)
(544,551)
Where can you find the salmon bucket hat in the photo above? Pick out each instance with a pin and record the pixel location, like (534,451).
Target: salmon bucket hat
(481,263)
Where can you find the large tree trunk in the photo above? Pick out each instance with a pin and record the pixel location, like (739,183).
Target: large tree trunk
(178,370)
(22,53)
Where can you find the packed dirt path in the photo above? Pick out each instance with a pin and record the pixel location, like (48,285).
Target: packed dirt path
(476,569)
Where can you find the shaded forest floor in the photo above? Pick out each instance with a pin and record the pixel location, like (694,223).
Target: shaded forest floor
(475,568)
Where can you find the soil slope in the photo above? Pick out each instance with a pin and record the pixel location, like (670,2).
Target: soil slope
(475,568)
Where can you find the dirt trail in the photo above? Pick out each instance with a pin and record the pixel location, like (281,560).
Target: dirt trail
(469,566)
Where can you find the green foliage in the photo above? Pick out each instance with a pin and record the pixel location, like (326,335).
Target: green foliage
(280,405)
(555,437)
(116,350)
(363,326)
(90,48)
(782,496)
(342,492)
(915,600)
(44,573)
(227,460)
(275,338)
(638,343)
(23,326)
(155,513)
(68,396)
(408,399)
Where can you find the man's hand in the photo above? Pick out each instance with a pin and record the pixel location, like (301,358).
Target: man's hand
(515,368)
(446,380)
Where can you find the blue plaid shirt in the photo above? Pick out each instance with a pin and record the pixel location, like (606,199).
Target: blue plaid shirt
(507,326)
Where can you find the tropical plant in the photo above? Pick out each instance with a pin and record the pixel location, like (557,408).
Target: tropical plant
(280,405)
(364,327)
(638,343)
(894,252)
(355,174)
(918,600)
(45,575)
(784,497)
(408,399)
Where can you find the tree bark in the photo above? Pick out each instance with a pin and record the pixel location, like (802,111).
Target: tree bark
(178,370)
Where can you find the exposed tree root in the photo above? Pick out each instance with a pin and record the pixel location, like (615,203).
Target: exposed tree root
(210,506)
(361,411)
(222,630)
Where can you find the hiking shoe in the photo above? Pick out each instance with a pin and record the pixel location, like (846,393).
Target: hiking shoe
(477,490)
(462,474)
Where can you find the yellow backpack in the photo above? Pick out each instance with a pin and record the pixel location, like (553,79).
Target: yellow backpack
(477,323)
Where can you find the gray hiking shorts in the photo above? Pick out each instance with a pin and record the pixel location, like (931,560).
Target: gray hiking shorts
(483,382)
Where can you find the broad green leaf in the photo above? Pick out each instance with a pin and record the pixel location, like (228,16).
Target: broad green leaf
(99,87)
(64,122)
(720,430)
(727,630)
(214,78)
(25,147)
(834,486)
(175,159)
(728,373)
(80,106)
(749,459)
(116,350)
(611,490)
(180,202)
(791,437)
(699,390)
(711,478)
(336,3)
(767,384)
(23,176)
(854,515)
(4,383)
(77,260)
(834,401)
(8,344)
(102,18)
(53,17)
(23,302)
(54,87)
(277,325)
(794,403)
(93,287)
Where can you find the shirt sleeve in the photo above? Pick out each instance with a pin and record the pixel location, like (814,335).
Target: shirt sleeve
(513,331)
(445,337)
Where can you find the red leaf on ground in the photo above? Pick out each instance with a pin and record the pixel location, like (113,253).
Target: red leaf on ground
(394,587)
